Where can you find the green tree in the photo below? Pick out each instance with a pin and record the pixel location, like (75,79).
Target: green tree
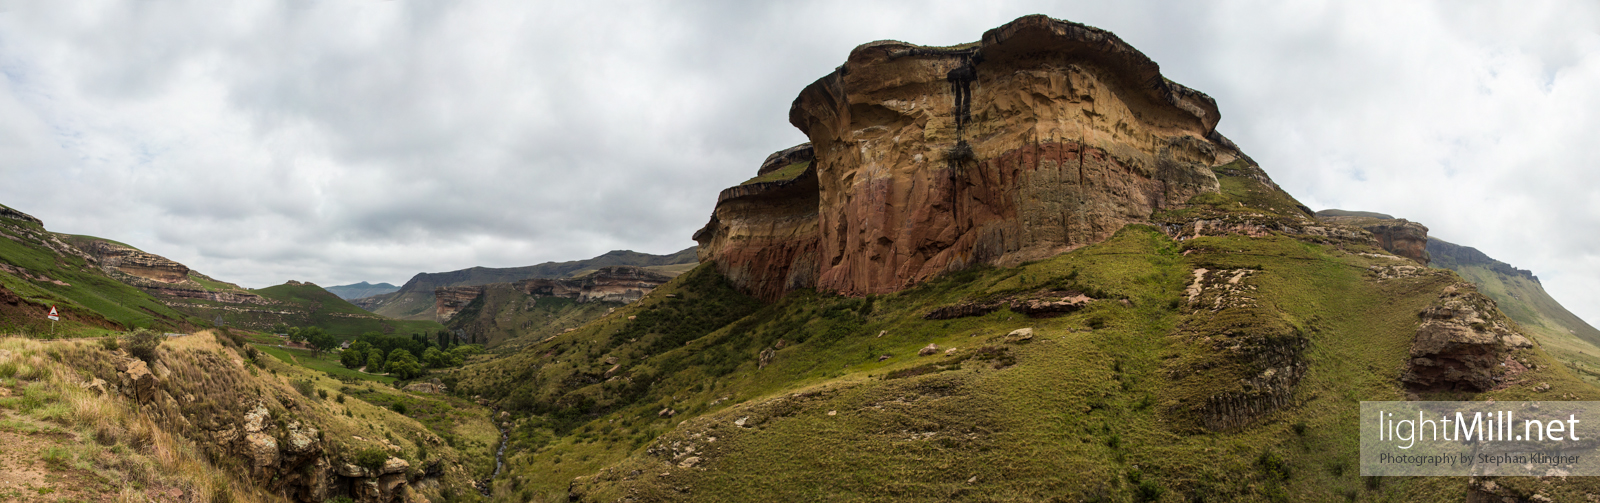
(297,334)
(403,364)
(280,328)
(434,358)
(352,359)
(459,354)
(375,361)
(319,340)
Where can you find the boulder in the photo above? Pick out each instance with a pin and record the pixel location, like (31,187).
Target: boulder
(1020,335)
(1460,342)
(394,465)
(137,380)
(929,350)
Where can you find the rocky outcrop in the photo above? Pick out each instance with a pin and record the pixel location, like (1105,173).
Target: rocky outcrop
(1043,137)
(763,236)
(1397,235)
(1461,342)
(1042,304)
(449,300)
(608,284)
(115,258)
(137,381)
(6,212)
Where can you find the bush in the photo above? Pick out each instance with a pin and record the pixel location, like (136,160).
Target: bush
(142,344)
(371,458)
(109,342)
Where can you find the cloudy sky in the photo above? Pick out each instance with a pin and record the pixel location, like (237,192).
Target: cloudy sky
(345,140)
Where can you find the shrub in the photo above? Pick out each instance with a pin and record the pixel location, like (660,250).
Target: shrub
(1273,465)
(142,344)
(304,387)
(371,458)
(400,408)
(109,342)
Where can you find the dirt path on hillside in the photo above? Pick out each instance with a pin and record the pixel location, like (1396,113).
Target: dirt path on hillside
(26,476)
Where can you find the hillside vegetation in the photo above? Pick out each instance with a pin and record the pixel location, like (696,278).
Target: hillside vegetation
(1243,387)
(39,270)
(100,425)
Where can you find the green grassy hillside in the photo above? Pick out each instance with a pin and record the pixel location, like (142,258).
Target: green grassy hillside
(502,315)
(39,269)
(1242,387)
(362,289)
(306,304)
(1521,296)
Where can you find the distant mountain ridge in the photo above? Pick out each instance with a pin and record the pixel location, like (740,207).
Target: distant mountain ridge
(415,299)
(363,289)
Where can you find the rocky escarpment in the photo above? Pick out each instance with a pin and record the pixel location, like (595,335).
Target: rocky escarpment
(1043,137)
(1462,343)
(158,275)
(117,260)
(449,300)
(1397,235)
(763,235)
(608,284)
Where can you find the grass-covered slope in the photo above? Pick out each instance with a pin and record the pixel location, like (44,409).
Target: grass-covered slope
(502,315)
(91,436)
(414,300)
(362,289)
(39,269)
(1241,386)
(1521,296)
(306,304)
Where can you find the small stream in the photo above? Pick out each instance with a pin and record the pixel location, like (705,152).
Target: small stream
(487,486)
(500,454)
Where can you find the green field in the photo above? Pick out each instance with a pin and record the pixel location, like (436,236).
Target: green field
(327,362)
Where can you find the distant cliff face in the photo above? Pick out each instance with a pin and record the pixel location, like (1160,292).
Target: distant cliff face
(116,258)
(608,284)
(1043,137)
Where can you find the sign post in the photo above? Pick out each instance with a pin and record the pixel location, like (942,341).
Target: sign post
(53,319)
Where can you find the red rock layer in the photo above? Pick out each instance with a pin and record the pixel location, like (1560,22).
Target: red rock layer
(763,236)
(1043,137)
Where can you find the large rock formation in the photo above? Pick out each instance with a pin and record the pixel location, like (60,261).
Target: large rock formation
(449,300)
(1043,137)
(116,258)
(1461,343)
(1397,235)
(608,284)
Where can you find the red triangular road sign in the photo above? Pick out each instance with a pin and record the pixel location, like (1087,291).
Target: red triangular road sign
(53,315)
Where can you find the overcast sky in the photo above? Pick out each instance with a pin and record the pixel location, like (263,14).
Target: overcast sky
(346,140)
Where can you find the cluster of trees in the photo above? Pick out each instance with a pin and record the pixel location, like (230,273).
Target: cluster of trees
(313,337)
(397,354)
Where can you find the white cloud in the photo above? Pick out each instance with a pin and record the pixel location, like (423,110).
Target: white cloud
(353,140)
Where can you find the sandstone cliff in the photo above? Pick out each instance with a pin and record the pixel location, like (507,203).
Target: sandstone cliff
(1042,137)
(1397,235)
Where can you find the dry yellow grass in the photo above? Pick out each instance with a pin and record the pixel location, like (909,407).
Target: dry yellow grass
(114,451)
